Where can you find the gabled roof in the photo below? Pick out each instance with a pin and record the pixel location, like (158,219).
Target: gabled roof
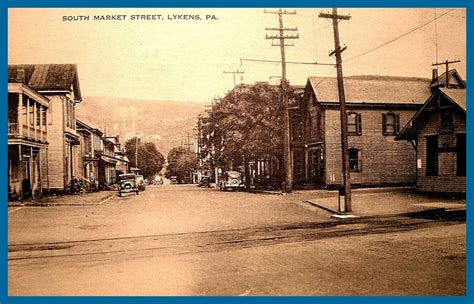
(455,96)
(441,80)
(372,89)
(47,77)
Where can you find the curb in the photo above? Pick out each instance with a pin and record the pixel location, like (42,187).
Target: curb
(37,204)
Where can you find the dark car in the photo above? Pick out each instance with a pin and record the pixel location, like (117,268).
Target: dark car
(173,179)
(127,184)
(231,180)
(205,182)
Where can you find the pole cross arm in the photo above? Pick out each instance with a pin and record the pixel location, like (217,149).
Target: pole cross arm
(334,16)
(446,62)
(282,29)
(332,53)
(296,36)
(285,12)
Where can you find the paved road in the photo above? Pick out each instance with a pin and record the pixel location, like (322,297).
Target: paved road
(184,240)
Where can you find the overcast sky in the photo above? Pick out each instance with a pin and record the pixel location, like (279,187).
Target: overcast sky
(185,59)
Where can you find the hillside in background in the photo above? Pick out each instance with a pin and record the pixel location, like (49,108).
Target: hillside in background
(165,123)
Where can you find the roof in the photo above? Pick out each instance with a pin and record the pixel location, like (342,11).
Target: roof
(455,96)
(47,77)
(373,89)
(441,80)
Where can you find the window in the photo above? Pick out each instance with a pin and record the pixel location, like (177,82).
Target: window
(38,116)
(355,160)
(447,121)
(461,154)
(432,155)
(390,124)
(354,125)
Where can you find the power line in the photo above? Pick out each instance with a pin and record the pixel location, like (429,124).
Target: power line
(399,37)
(290,62)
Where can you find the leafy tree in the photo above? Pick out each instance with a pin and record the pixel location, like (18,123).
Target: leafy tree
(172,158)
(150,160)
(246,124)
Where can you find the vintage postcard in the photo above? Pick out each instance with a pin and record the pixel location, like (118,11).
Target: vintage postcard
(237,151)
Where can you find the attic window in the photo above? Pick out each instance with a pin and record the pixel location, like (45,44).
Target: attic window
(447,121)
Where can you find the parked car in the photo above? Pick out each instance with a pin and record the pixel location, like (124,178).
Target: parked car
(231,180)
(127,184)
(185,180)
(205,182)
(173,179)
(140,182)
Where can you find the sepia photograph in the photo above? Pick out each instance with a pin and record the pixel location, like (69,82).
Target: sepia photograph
(236,151)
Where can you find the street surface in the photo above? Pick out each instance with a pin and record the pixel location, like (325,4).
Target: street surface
(185,240)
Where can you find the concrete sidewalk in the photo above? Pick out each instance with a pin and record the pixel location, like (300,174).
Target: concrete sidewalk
(83,199)
(373,202)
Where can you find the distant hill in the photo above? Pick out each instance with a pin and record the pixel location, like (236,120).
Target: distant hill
(165,123)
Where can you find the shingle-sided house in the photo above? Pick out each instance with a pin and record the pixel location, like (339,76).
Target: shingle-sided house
(377,106)
(438,131)
(60,84)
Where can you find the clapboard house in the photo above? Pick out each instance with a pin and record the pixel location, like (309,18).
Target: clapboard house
(438,132)
(377,108)
(27,140)
(60,84)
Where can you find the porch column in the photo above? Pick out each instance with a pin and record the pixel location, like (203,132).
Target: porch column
(35,119)
(20,171)
(27,123)
(306,165)
(31,171)
(20,114)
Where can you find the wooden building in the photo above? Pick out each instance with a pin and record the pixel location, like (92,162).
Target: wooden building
(376,108)
(438,131)
(90,152)
(27,140)
(60,84)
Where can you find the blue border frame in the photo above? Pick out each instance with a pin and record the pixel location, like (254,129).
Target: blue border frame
(5,4)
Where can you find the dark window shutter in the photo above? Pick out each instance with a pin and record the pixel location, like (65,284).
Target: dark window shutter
(397,123)
(384,124)
(359,124)
(359,160)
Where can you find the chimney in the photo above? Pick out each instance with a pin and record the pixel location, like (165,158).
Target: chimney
(435,75)
(20,75)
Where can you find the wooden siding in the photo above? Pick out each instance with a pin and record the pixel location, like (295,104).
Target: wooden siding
(384,161)
(446,181)
(56,149)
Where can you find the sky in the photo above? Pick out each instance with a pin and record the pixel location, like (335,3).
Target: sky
(185,60)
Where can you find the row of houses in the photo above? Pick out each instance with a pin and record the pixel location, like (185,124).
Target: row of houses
(402,131)
(49,148)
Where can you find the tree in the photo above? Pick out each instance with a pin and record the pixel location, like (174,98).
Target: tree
(150,160)
(180,163)
(246,124)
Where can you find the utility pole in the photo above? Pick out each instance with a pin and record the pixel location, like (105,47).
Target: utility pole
(342,101)
(281,37)
(446,63)
(136,151)
(233,74)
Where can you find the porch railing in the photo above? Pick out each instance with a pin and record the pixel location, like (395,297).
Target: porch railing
(13,129)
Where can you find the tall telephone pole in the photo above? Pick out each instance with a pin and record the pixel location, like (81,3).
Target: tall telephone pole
(446,63)
(233,74)
(342,101)
(281,37)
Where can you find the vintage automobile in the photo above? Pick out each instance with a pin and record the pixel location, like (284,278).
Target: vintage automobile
(127,184)
(173,179)
(205,182)
(140,182)
(231,180)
